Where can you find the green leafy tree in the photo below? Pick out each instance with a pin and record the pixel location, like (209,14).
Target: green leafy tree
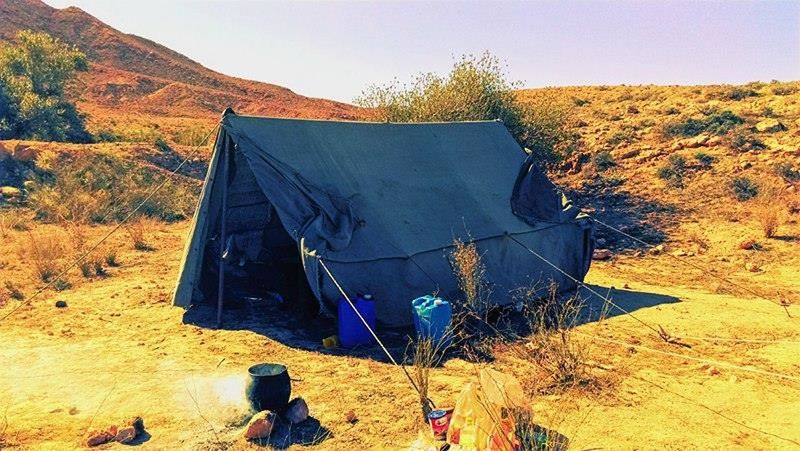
(477,88)
(34,73)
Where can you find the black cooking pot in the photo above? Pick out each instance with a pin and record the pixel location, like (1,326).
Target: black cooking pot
(268,387)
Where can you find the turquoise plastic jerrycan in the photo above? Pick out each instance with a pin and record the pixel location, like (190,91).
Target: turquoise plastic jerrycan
(432,318)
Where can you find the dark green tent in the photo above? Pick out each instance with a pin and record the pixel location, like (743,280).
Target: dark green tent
(381,204)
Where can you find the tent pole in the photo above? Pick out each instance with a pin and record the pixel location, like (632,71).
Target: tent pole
(223,237)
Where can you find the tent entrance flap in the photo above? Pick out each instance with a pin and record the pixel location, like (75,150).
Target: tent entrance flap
(260,258)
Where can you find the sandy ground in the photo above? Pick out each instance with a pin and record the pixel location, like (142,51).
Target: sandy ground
(120,349)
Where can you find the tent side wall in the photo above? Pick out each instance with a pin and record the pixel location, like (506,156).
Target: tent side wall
(510,269)
(191,265)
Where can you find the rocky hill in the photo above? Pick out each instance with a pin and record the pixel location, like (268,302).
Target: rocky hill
(148,78)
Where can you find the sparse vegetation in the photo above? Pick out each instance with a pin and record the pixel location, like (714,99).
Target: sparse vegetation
(743,188)
(716,123)
(14,292)
(471,275)
(33,76)
(137,230)
(788,172)
(768,215)
(742,140)
(674,171)
(477,88)
(101,188)
(44,253)
(604,161)
(740,93)
(560,360)
(705,160)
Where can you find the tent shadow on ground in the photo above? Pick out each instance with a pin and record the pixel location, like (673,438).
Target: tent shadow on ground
(266,317)
(645,219)
(269,319)
(595,306)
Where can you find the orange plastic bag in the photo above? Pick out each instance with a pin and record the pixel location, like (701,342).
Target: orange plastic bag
(481,419)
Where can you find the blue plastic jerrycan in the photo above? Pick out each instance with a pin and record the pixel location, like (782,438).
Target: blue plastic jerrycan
(352,331)
(432,318)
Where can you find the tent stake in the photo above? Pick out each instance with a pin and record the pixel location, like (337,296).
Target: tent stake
(223,237)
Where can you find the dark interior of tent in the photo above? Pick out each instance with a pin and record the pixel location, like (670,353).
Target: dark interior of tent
(260,259)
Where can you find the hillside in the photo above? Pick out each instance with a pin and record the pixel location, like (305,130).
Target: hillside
(141,77)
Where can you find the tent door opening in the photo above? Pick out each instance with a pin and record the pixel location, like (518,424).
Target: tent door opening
(261,261)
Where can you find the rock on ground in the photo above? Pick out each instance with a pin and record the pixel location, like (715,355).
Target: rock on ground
(260,426)
(296,411)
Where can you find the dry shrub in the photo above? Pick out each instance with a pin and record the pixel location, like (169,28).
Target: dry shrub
(13,220)
(427,356)
(44,253)
(138,230)
(769,218)
(92,264)
(471,274)
(560,360)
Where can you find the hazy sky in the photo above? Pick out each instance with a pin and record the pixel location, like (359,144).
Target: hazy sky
(336,49)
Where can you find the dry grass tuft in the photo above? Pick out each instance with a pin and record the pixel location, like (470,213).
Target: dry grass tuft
(471,275)
(769,218)
(138,230)
(44,253)
(560,361)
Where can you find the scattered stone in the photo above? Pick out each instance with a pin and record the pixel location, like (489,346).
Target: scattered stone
(657,250)
(351,417)
(679,253)
(296,411)
(125,435)
(97,438)
(714,141)
(628,153)
(24,152)
(601,254)
(747,245)
(10,192)
(752,267)
(260,426)
(713,371)
(745,165)
(770,125)
(137,423)
(61,303)
(633,110)
(697,141)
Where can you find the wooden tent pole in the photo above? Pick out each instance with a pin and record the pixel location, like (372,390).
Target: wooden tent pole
(222,235)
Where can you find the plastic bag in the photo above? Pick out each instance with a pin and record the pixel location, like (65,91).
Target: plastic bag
(481,419)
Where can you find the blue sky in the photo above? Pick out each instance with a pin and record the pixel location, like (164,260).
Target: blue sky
(336,49)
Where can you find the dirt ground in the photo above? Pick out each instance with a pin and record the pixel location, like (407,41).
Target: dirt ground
(120,349)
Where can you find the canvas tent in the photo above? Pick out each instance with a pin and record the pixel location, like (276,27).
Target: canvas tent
(381,204)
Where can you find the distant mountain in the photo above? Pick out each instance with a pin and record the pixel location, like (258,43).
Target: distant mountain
(141,76)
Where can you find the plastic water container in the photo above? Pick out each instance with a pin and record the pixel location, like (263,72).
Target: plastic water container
(432,318)
(352,331)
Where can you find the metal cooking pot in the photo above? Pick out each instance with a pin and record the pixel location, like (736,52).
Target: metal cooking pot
(268,387)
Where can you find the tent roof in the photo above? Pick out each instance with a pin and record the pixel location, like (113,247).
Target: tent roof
(386,190)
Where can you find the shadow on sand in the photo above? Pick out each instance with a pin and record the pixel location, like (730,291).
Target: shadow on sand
(269,319)
(284,435)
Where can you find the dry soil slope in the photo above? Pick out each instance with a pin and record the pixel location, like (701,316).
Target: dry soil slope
(147,77)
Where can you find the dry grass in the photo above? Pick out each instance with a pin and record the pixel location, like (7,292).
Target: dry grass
(138,230)
(44,253)
(769,218)
(560,361)
(471,275)
(13,220)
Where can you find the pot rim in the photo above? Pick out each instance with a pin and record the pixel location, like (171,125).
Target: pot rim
(279,368)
